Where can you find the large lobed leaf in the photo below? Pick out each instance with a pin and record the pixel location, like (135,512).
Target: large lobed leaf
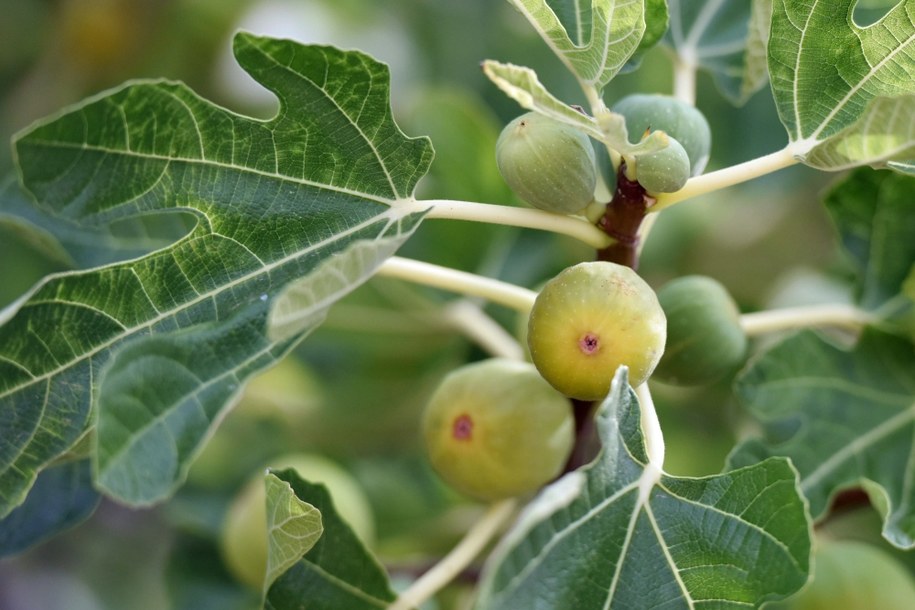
(618,534)
(846,94)
(845,418)
(275,201)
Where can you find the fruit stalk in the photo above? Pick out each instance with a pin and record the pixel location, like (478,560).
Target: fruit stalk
(459,558)
(622,220)
(587,443)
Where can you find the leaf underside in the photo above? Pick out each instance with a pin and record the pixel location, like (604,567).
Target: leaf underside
(845,94)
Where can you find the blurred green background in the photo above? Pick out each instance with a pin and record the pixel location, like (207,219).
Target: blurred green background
(353,391)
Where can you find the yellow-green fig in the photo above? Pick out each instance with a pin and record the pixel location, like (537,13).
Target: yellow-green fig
(588,321)
(495,429)
(548,164)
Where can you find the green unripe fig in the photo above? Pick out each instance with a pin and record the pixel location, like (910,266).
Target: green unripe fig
(495,429)
(663,171)
(548,164)
(677,119)
(244,531)
(851,575)
(588,321)
(704,337)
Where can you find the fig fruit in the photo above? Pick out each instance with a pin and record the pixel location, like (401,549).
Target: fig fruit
(704,338)
(243,538)
(548,164)
(588,321)
(850,575)
(663,171)
(495,429)
(677,119)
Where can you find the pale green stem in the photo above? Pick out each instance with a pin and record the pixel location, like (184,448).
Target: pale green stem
(729,176)
(595,101)
(792,318)
(654,443)
(645,229)
(651,427)
(470,319)
(517,217)
(685,78)
(476,539)
(461,282)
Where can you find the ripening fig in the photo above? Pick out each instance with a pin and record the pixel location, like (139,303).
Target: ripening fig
(686,124)
(851,575)
(495,429)
(665,170)
(704,337)
(588,321)
(548,164)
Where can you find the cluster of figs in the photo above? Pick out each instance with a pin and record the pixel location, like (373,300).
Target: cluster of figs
(497,428)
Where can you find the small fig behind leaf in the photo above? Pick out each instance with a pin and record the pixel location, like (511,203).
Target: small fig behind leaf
(588,321)
(548,164)
(704,338)
(851,575)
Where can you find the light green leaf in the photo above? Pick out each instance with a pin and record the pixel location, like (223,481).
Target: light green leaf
(593,39)
(338,572)
(293,528)
(903,167)
(887,131)
(726,38)
(522,85)
(842,91)
(273,200)
(874,212)
(844,418)
(618,534)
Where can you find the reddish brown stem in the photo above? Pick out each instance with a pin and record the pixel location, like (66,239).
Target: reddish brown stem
(622,220)
(586,442)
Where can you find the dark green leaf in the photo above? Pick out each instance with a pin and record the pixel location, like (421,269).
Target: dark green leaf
(875,214)
(62,497)
(843,417)
(619,534)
